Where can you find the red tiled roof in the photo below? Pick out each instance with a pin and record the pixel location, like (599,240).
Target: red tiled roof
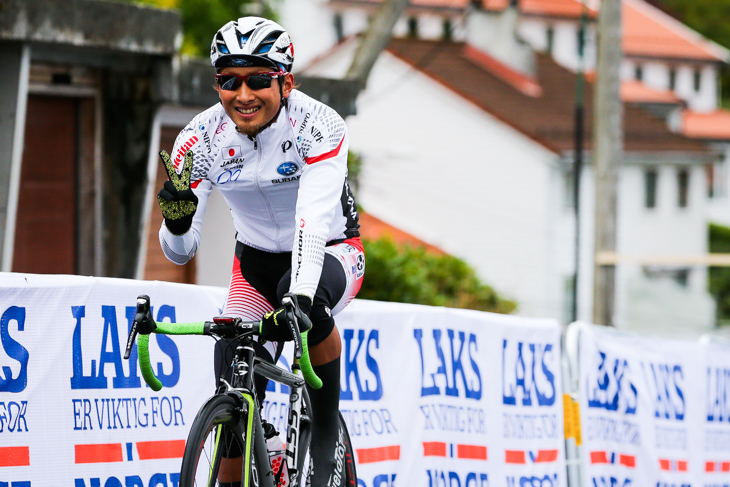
(633,91)
(709,126)
(647,31)
(548,119)
(650,32)
(372,228)
(546,8)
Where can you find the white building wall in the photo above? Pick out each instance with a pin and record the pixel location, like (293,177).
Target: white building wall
(442,169)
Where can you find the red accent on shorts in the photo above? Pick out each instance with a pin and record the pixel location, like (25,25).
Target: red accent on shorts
(244,300)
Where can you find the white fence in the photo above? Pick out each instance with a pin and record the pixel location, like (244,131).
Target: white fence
(432,396)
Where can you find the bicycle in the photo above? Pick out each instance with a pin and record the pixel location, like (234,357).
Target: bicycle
(229,424)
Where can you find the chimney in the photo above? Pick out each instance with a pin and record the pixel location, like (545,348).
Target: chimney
(495,34)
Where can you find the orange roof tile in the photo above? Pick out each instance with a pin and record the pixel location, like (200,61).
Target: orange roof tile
(638,92)
(650,32)
(714,125)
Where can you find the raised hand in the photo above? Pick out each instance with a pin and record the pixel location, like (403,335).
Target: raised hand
(177,201)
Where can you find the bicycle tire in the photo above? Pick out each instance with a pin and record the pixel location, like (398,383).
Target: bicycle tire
(350,468)
(218,427)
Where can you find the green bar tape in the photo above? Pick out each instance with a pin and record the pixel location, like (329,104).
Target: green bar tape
(180,328)
(306,365)
(143,342)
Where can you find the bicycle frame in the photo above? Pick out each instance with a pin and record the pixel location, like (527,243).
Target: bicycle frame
(298,434)
(245,366)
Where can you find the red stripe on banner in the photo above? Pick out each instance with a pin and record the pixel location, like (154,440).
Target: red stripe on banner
(14,456)
(101,453)
(709,466)
(152,450)
(546,456)
(725,467)
(627,460)
(665,464)
(381,454)
(327,155)
(434,449)
(682,465)
(514,456)
(474,452)
(599,457)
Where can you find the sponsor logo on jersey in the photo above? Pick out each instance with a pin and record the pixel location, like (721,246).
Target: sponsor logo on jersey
(221,127)
(183,149)
(238,160)
(304,123)
(231,152)
(286,146)
(287,168)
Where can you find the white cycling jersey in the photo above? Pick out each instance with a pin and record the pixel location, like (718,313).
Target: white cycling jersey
(287,187)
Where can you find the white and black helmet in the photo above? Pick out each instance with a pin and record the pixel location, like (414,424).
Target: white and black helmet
(252,41)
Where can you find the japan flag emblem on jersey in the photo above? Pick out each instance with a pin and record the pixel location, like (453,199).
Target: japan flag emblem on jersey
(231,152)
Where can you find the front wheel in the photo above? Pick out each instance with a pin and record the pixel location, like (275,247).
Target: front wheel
(350,470)
(213,452)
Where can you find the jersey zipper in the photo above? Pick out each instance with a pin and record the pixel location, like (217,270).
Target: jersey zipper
(263,195)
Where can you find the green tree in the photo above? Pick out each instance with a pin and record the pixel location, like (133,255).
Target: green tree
(411,274)
(201,19)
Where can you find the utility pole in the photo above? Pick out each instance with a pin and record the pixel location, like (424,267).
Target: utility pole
(578,157)
(376,38)
(607,154)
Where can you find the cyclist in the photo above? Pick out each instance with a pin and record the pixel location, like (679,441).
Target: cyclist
(279,158)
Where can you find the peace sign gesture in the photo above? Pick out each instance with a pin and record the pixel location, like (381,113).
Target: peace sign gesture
(176,199)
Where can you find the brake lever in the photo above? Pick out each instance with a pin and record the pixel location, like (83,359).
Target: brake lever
(293,323)
(143,323)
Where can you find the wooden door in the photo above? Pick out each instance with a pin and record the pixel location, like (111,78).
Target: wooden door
(46,222)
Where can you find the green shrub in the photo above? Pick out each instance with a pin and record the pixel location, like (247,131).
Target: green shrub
(719,277)
(411,274)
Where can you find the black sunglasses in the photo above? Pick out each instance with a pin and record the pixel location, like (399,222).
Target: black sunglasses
(256,81)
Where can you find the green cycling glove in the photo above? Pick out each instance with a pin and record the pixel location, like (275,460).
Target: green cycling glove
(177,201)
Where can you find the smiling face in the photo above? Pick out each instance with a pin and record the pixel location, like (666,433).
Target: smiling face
(252,109)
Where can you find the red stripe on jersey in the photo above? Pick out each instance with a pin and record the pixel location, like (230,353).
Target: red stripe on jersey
(327,155)
(195,184)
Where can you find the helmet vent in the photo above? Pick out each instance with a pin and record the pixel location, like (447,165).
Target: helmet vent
(265,45)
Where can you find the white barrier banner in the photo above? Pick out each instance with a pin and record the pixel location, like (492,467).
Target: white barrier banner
(451,398)
(715,417)
(431,396)
(72,411)
(641,407)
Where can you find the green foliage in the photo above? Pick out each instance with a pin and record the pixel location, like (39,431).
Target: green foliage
(719,277)
(409,274)
(201,19)
(354,166)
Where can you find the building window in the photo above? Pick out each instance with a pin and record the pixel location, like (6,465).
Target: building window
(339,27)
(672,79)
(682,188)
(710,173)
(549,39)
(697,79)
(650,184)
(448,27)
(638,72)
(412,27)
